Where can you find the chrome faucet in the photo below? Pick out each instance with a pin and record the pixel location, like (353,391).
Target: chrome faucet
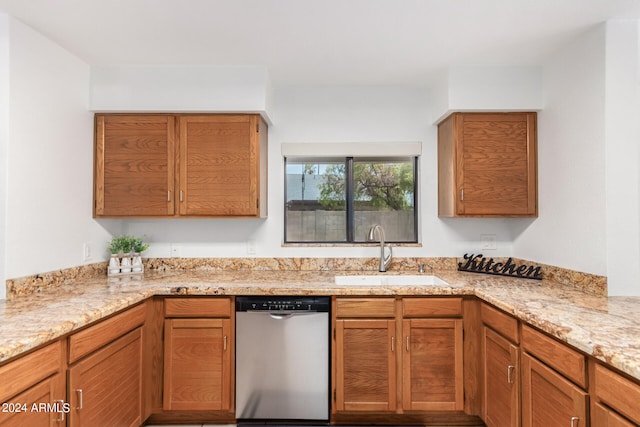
(384,261)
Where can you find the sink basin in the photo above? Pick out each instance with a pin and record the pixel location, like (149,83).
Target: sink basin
(390,280)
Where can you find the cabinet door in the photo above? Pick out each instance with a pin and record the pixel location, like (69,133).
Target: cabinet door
(548,399)
(432,365)
(197,364)
(496,164)
(605,417)
(220,165)
(134,165)
(487,165)
(42,405)
(502,385)
(105,388)
(365,365)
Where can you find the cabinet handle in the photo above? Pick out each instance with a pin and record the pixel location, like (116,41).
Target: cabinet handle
(462,194)
(393,344)
(180,195)
(407,343)
(61,411)
(79,392)
(510,370)
(168,196)
(224,343)
(574,421)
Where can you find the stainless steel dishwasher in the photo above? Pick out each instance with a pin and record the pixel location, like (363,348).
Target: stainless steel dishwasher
(282,358)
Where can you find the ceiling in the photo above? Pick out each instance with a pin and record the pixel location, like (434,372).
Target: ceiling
(319,42)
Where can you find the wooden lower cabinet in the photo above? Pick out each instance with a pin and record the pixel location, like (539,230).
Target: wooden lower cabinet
(432,365)
(42,405)
(501,380)
(549,399)
(399,357)
(198,357)
(105,388)
(601,416)
(365,365)
(500,355)
(197,364)
(615,399)
(33,389)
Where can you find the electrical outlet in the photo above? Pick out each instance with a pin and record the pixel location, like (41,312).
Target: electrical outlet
(86,252)
(251,247)
(488,242)
(175,250)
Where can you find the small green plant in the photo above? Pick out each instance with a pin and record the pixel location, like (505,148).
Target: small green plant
(138,245)
(126,244)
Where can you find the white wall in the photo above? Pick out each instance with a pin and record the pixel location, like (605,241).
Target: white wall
(488,88)
(186,88)
(622,153)
(340,115)
(570,230)
(4,137)
(50,155)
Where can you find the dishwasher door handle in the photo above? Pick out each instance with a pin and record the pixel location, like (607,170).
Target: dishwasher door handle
(278,316)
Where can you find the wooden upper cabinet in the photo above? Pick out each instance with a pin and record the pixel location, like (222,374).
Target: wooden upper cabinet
(199,165)
(134,165)
(487,165)
(220,173)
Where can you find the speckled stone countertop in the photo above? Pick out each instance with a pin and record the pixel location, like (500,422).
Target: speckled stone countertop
(607,328)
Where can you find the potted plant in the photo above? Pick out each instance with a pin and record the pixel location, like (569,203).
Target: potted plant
(137,246)
(125,254)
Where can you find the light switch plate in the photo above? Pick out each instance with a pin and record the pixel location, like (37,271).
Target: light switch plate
(488,242)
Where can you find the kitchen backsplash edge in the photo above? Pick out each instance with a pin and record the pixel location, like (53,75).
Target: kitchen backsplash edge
(23,286)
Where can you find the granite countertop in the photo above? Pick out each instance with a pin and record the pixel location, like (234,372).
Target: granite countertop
(608,328)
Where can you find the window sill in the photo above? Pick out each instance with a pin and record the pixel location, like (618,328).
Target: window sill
(342,245)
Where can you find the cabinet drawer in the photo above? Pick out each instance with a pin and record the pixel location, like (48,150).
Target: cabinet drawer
(197,307)
(94,337)
(26,371)
(559,356)
(500,322)
(432,307)
(365,307)
(618,392)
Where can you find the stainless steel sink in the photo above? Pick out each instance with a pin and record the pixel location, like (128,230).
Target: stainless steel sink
(390,280)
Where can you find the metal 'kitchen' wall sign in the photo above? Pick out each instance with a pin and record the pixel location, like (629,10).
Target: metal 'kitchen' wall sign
(479,264)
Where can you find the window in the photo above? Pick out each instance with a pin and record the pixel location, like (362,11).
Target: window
(332,200)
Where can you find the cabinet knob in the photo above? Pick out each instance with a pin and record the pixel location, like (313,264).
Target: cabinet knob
(575,421)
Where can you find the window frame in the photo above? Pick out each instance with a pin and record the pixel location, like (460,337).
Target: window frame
(349,199)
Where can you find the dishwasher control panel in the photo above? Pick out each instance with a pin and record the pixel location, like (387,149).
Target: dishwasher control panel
(271,303)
